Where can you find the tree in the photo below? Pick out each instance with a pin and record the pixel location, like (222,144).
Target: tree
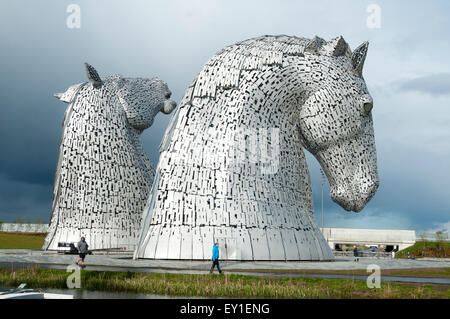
(440,243)
(423,238)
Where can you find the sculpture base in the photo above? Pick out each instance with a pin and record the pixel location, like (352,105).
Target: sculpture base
(245,244)
(97,239)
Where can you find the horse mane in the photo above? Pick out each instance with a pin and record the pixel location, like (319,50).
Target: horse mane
(223,70)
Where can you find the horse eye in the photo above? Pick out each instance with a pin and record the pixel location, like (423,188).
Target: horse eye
(367,107)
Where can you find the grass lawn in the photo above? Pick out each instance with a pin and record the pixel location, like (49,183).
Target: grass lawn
(410,272)
(220,285)
(21,240)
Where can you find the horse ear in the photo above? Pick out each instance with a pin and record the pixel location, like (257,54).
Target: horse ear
(336,47)
(359,56)
(58,95)
(93,76)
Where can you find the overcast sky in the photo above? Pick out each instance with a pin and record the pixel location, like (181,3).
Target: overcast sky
(407,71)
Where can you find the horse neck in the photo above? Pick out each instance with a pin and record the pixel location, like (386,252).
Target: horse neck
(274,99)
(260,109)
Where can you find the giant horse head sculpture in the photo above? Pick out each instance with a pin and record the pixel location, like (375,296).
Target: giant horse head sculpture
(307,93)
(103,175)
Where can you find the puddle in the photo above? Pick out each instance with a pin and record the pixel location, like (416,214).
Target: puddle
(89,294)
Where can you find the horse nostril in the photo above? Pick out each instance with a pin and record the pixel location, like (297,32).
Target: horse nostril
(168,95)
(368,107)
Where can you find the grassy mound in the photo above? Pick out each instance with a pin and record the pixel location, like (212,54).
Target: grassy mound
(422,249)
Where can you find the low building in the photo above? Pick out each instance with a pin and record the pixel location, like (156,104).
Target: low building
(392,239)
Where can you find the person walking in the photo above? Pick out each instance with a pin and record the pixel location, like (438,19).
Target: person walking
(82,247)
(215,258)
(355,254)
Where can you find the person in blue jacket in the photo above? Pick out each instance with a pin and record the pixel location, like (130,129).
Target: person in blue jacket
(215,258)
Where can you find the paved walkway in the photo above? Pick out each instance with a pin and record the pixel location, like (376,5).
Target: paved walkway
(124,260)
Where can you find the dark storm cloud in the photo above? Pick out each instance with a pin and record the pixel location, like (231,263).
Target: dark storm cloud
(28,201)
(434,84)
(28,141)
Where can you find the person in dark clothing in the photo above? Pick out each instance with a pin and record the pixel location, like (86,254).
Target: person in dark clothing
(82,247)
(215,258)
(355,254)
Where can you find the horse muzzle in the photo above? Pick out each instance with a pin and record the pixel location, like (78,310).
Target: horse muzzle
(353,197)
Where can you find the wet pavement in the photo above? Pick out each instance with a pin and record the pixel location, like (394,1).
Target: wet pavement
(124,262)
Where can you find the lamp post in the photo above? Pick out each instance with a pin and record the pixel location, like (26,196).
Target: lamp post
(323,181)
